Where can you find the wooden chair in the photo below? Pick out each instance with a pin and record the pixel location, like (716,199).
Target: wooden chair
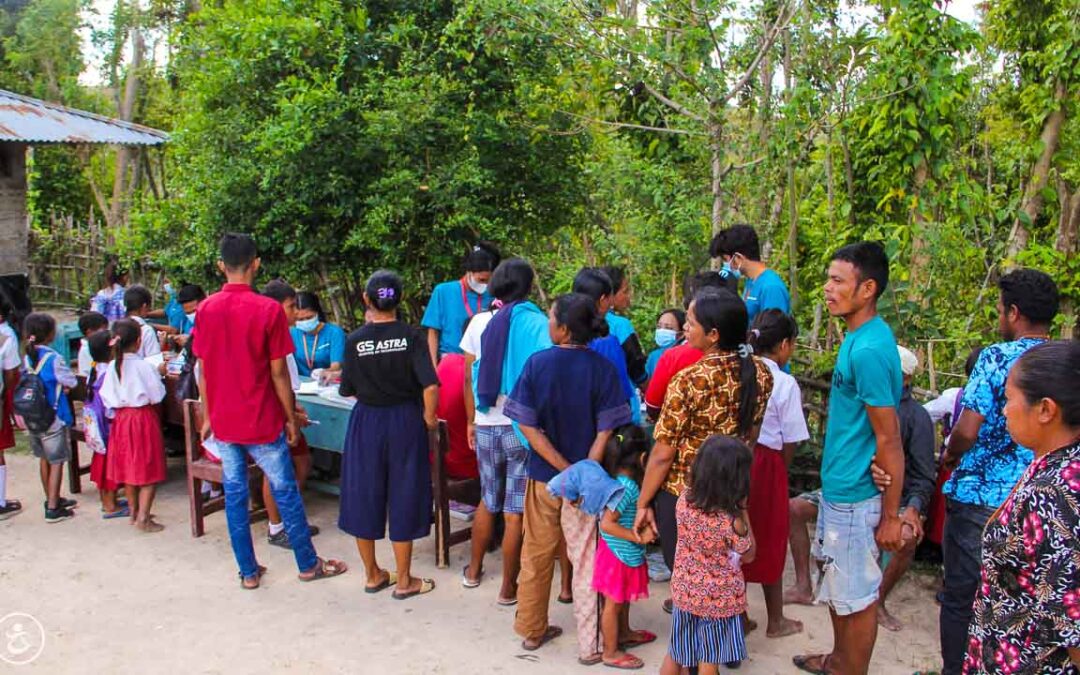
(76,470)
(444,489)
(200,468)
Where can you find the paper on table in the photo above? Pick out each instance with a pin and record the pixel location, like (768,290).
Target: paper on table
(311,387)
(155,359)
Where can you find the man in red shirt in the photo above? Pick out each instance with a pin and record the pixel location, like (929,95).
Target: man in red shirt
(241,339)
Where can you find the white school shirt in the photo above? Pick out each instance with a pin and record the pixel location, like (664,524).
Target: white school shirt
(294,372)
(84,360)
(150,345)
(784,421)
(7,331)
(140,386)
(470,344)
(9,357)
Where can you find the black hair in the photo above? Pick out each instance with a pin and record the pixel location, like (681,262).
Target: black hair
(577,312)
(190,293)
(725,312)
(720,476)
(113,273)
(972,359)
(127,333)
(1032,292)
(100,352)
(38,330)
(679,314)
(384,290)
(624,449)
(308,300)
(870,262)
(770,328)
(708,279)
(483,257)
(617,276)
(593,282)
(136,297)
(1051,370)
(740,239)
(512,280)
(237,251)
(279,290)
(91,321)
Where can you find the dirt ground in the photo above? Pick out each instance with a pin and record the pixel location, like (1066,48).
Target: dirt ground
(112,600)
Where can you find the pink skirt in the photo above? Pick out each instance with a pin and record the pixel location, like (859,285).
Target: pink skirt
(616,580)
(136,454)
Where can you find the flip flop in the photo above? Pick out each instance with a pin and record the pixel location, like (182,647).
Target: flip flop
(644,637)
(121,512)
(471,583)
(627,662)
(324,569)
(550,634)
(668,605)
(258,577)
(426,586)
(391,578)
(591,660)
(566,601)
(506,602)
(802,662)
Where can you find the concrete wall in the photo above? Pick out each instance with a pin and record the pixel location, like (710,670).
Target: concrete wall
(13,222)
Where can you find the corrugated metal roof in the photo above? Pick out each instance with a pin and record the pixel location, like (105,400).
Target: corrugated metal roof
(30,120)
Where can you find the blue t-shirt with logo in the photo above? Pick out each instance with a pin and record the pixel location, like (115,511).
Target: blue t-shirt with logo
(988,471)
(447,312)
(318,351)
(768,291)
(867,373)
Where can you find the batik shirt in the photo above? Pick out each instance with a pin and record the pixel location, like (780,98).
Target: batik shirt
(990,469)
(1027,612)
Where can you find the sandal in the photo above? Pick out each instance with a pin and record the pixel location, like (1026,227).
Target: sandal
(550,634)
(566,601)
(120,512)
(506,602)
(627,662)
(391,578)
(640,637)
(591,660)
(324,569)
(251,583)
(803,662)
(426,586)
(471,583)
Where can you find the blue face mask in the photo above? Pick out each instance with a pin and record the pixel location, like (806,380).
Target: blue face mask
(308,325)
(665,337)
(732,271)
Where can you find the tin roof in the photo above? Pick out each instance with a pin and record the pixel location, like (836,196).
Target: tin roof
(30,120)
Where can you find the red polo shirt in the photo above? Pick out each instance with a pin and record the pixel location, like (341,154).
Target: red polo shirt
(238,333)
(670,363)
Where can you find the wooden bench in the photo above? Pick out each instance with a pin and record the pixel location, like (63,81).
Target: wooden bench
(445,489)
(76,469)
(201,468)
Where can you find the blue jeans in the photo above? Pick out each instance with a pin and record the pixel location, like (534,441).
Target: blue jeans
(961,548)
(850,577)
(274,460)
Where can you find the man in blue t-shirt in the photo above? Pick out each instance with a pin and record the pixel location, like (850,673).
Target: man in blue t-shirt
(988,462)
(863,428)
(741,252)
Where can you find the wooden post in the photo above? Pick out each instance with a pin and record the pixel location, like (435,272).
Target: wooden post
(930,366)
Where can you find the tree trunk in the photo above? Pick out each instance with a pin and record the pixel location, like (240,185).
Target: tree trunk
(124,154)
(920,257)
(849,178)
(1068,224)
(716,148)
(1032,205)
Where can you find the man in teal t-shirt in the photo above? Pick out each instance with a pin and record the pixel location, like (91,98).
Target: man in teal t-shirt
(740,249)
(863,428)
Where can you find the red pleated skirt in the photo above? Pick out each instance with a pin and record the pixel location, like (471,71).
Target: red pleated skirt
(7,424)
(99,472)
(136,454)
(768,509)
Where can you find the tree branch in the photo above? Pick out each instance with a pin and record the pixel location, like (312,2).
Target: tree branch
(674,105)
(782,20)
(627,125)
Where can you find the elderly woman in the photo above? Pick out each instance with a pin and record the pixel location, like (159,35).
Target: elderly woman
(1027,613)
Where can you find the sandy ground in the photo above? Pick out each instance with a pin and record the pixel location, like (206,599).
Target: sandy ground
(112,600)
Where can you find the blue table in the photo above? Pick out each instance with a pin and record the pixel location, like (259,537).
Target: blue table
(330,423)
(67,340)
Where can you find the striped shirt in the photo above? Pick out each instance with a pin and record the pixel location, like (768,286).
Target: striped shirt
(630,553)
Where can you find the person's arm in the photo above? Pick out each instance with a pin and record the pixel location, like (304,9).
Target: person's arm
(964,434)
(204,394)
(890,457)
(1074,656)
(431,404)
(433,345)
(787,451)
(609,524)
(540,444)
(596,450)
(279,373)
(337,348)
(920,452)
(470,403)
(64,377)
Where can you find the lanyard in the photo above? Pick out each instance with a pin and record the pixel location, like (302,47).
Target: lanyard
(465,299)
(309,357)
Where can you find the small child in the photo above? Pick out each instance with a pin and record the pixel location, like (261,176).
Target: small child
(9,378)
(89,324)
(620,573)
(138,301)
(707,586)
(96,421)
(52,446)
(136,451)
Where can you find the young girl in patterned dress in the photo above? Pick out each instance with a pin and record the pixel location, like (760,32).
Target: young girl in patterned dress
(707,586)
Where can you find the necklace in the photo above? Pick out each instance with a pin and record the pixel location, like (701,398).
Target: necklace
(1040,336)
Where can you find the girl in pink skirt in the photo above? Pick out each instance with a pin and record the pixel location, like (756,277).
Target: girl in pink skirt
(620,574)
(136,452)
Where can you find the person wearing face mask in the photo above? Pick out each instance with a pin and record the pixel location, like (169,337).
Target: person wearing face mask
(183,320)
(741,252)
(319,343)
(455,302)
(669,332)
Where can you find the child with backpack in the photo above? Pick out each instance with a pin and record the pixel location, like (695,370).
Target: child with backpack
(136,450)
(97,418)
(41,400)
(9,378)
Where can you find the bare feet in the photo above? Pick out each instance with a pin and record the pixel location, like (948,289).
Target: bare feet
(783,628)
(749,625)
(797,595)
(887,620)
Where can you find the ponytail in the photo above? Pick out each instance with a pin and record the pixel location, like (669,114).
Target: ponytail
(100,346)
(125,335)
(39,329)
(748,390)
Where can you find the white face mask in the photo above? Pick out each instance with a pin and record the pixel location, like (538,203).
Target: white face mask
(476,286)
(308,325)
(191,317)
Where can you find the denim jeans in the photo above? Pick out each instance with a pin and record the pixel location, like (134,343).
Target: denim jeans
(274,460)
(961,548)
(844,542)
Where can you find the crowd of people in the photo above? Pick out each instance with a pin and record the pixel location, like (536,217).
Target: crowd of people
(589,450)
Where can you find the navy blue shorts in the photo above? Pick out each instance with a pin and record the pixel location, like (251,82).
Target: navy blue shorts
(385,470)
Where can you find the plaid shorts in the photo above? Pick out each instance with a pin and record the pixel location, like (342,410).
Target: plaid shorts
(502,459)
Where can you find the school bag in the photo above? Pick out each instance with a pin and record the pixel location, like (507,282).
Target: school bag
(32,402)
